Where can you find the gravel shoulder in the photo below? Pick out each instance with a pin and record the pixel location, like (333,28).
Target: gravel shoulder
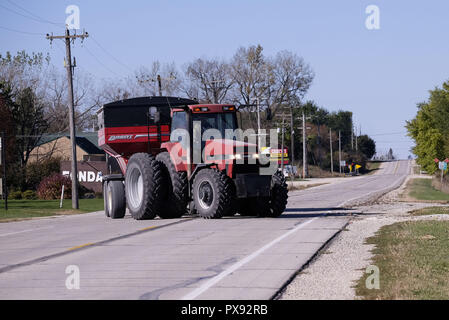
(335,270)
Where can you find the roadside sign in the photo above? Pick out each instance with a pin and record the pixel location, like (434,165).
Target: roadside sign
(442,165)
(343,163)
(276,154)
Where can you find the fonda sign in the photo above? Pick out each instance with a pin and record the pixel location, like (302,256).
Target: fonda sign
(89,173)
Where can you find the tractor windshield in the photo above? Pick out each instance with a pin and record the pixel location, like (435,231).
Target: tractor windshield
(219,121)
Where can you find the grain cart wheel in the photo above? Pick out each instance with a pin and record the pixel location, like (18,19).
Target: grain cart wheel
(115,203)
(105,199)
(279,195)
(145,186)
(212,194)
(176,200)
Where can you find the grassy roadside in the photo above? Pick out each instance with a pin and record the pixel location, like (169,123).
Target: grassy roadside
(430,211)
(413,259)
(23,209)
(372,167)
(303,187)
(422,189)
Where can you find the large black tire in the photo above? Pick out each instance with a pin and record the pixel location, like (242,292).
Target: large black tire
(232,193)
(212,194)
(145,186)
(279,195)
(176,200)
(105,199)
(116,203)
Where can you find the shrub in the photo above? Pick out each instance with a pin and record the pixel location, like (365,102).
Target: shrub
(50,187)
(36,171)
(29,195)
(15,195)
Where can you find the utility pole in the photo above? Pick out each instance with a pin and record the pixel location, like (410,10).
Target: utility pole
(339,149)
(3,163)
(282,145)
(292,134)
(159,84)
(352,138)
(258,118)
(332,157)
(305,169)
(67,37)
(158,80)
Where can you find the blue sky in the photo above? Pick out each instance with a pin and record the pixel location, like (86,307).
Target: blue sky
(380,75)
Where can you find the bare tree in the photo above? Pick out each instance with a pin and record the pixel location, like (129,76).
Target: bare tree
(147,79)
(208,81)
(289,79)
(85,98)
(250,72)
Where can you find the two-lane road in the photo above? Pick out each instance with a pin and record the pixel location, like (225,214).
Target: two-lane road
(188,258)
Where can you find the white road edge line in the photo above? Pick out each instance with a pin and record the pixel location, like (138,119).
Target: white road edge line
(28,230)
(195,293)
(375,191)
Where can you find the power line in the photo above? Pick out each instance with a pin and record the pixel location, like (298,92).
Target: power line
(109,54)
(101,63)
(387,134)
(23,32)
(33,16)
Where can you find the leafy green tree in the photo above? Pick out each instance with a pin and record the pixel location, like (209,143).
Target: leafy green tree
(430,129)
(367,146)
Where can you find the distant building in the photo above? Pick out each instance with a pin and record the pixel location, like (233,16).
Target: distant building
(91,160)
(59,146)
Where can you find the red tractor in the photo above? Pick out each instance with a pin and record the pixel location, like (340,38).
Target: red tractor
(169,169)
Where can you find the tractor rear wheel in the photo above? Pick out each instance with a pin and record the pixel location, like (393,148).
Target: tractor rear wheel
(212,194)
(145,186)
(115,199)
(176,200)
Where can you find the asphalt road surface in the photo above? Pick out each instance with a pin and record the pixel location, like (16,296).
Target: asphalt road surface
(187,258)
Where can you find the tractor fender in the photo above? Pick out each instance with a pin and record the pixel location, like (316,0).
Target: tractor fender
(178,155)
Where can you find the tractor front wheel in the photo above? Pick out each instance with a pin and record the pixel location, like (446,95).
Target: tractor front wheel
(279,195)
(212,194)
